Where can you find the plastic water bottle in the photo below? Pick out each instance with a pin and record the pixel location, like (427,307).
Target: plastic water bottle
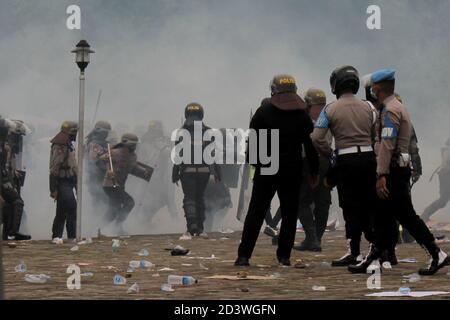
(119,280)
(414,278)
(181,280)
(143,253)
(134,264)
(115,245)
(134,288)
(144,264)
(36,278)
(21,267)
(405,290)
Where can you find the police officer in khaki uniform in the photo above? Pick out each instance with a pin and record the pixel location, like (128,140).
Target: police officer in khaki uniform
(124,162)
(314,220)
(394,174)
(63,180)
(352,124)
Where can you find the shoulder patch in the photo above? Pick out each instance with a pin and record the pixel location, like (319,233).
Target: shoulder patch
(389,131)
(323,121)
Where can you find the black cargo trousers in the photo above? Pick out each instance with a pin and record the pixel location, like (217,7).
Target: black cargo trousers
(286,183)
(66,209)
(355,175)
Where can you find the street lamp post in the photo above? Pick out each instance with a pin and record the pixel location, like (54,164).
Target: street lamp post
(82,52)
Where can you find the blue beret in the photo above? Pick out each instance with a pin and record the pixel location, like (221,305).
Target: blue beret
(383,75)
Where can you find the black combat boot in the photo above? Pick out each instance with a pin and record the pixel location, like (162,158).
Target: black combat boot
(439,259)
(284,262)
(351,257)
(19,237)
(310,243)
(242,262)
(389,256)
(374,254)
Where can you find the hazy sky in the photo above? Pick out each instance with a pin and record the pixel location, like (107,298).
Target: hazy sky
(154,57)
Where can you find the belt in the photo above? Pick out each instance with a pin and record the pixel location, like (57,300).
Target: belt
(356,149)
(191,169)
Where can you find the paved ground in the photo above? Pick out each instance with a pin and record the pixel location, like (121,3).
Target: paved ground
(289,283)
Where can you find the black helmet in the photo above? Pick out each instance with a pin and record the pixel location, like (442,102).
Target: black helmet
(283,83)
(194,111)
(343,78)
(129,139)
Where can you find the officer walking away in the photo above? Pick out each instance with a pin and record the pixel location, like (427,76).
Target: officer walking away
(315,202)
(444,184)
(120,162)
(352,124)
(63,180)
(285,112)
(394,174)
(194,177)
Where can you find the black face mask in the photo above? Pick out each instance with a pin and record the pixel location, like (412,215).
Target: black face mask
(132,148)
(73,137)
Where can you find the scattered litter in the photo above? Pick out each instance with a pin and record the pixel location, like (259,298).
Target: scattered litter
(12,245)
(299,264)
(244,289)
(110,268)
(86,241)
(263,266)
(84,264)
(227,261)
(21,267)
(408,260)
(36,278)
(387,265)
(319,255)
(166,269)
(186,265)
(224,238)
(206,258)
(115,245)
(155,275)
(414,294)
(143,253)
(319,288)
(404,290)
(144,264)
(119,280)
(128,275)
(87,274)
(130,270)
(415,277)
(186,237)
(166,288)
(75,248)
(134,264)
(134,288)
(227,277)
(325,265)
(179,251)
(227,231)
(203,267)
(276,275)
(181,280)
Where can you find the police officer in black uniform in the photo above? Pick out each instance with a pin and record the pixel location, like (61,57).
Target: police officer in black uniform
(286,112)
(194,176)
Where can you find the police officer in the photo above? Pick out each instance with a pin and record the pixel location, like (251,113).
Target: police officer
(12,181)
(352,124)
(63,180)
(286,112)
(194,175)
(97,145)
(124,162)
(444,184)
(394,174)
(314,221)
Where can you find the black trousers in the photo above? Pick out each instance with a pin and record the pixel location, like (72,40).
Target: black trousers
(286,183)
(120,204)
(66,210)
(399,207)
(194,186)
(356,181)
(12,211)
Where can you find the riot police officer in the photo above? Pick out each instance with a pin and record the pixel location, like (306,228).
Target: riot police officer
(285,112)
(63,180)
(393,182)
(194,175)
(120,162)
(314,221)
(352,124)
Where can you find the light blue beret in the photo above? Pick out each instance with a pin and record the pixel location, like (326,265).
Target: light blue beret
(383,75)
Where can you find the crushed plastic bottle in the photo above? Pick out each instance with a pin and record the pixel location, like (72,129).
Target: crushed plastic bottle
(415,277)
(143,253)
(21,267)
(181,280)
(167,288)
(387,265)
(130,270)
(144,264)
(405,290)
(115,245)
(87,274)
(75,248)
(319,288)
(36,278)
(134,288)
(119,280)
(134,264)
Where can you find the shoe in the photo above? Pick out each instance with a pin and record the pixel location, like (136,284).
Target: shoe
(372,257)
(286,262)
(186,236)
(344,261)
(389,256)
(308,246)
(271,232)
(436,263)
(242,262)
(57,240)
